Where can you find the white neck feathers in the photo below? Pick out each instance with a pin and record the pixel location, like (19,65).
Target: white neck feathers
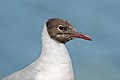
(54,61)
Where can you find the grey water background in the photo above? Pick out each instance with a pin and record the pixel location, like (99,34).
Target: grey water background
(21,23)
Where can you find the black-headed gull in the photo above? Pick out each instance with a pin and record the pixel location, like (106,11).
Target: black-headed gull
(54,62)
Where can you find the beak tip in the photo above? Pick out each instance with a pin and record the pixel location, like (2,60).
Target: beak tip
(88,38)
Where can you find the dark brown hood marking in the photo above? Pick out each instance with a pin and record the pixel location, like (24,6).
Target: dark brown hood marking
(62,31)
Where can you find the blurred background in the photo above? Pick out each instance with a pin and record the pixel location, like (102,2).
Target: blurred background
(21,23)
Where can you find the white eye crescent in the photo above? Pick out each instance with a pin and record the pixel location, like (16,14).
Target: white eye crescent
(61,27)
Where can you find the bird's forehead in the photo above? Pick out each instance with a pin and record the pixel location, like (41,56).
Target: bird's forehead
(57,21)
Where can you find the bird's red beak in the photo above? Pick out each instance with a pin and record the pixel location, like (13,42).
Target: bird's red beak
(81,35)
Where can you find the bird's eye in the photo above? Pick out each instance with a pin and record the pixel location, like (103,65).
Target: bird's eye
(61,27)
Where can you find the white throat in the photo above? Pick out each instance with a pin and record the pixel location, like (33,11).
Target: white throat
(54,61)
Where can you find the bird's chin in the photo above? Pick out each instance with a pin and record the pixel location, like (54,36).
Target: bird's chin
(63,38)
(70,38)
